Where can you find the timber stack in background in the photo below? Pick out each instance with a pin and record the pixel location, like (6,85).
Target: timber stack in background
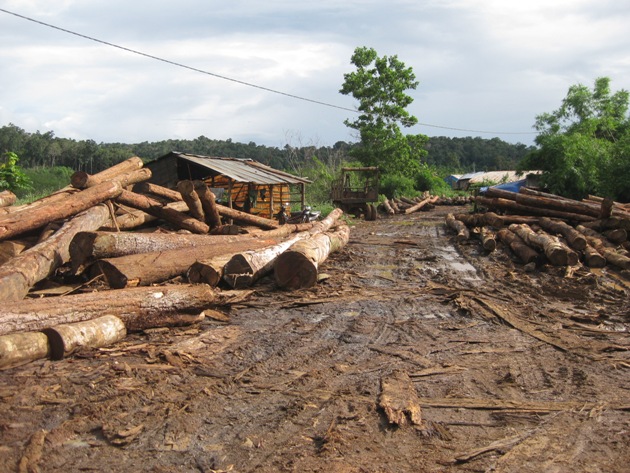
(112,253)
(541,228)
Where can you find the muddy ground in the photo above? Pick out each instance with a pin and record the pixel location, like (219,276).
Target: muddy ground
(483,366)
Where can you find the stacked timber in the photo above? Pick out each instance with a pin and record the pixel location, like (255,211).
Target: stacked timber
(147,247)
(541,227)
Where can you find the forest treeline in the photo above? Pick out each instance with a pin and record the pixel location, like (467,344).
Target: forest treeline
(450,155)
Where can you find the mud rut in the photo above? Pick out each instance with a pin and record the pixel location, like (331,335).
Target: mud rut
(514,371)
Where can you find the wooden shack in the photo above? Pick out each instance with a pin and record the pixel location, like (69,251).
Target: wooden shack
(243,184)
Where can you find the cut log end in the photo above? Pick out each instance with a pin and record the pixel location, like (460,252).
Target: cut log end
(294,270)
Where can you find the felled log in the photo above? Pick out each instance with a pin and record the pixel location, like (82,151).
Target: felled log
(82,180)
(616,235)
(486,236)
(592,257)
(187,191)
(556,252)
(139,308)
(609,224)
(245,268)
(250,219)
(408,201)
(604,248)
(459,227)
(66,339)
(209,204)
(155,208)
(157,190)
(524,252)
(481,219)
(574,238)
(388,208)
(208,271)
(428,201)
(297,268)
(21,222)
(394,206)
(133,218)
(513,206)
(18,275)
(158,266)
(7,198)
(17,349)
(11,248)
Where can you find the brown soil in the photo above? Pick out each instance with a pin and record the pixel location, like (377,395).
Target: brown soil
(482,366)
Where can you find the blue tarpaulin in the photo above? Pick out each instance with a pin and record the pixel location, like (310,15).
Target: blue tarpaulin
(508,186)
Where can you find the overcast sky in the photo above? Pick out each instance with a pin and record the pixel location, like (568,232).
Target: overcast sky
(483,65)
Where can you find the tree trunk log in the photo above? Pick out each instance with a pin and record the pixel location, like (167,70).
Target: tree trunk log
(187,191)
(604,248)
(22,272)
(524,252)
(574,238)
(155,208)
(487,238)
(505,204)
(414,208)
(459,227)
(609,224)
(158,266)
(297,268)
(139,308)
(245,268)
(388,207)
(208,271)
(481,219)
(21,222)
(159,191)
(616,236)
(7,198)
(592,257)
(83,180)
(11,248)
(20,348)
(134,218)
(66,339)
(250,219)
(556,252)
(209,204)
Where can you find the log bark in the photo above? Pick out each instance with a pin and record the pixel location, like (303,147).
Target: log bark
(244,269)
(155,208)
(574,238)
(187,191)
(38,262)
(21,222)
(564,205)
(459,227)
(9,249)
(158,266)
(609,224)
(7,198)
(20,348)
(83,180)
(481,219)
(428,201)
(297,268)
(524,252)
(66,339)
(616,236)
(592,257)
(250,219)
(556,252)
(139,308)
(209,204)
(512,206)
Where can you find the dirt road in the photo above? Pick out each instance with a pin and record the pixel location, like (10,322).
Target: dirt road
(481,365)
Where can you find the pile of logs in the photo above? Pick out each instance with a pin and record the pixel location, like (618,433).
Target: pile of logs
(116,228)
(539,227)
(405,205)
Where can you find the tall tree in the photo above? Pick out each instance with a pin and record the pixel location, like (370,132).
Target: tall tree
(584,144)
(380,85)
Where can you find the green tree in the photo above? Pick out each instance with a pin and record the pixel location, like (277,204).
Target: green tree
(11,175)
(380,85)
(583,145)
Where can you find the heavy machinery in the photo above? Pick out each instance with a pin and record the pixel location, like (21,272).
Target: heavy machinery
(356,191)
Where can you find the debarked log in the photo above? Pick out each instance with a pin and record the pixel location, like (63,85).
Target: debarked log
(574,238)
(19,274)
(17,349)
(155,208)
(158,266)
(297,268)
(20,222)
(525,253)
(417,206)
(139,308)
(556,252)
(66,339)
(245,268)
(459,227)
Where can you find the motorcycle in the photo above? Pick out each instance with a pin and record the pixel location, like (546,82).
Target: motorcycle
(306,215)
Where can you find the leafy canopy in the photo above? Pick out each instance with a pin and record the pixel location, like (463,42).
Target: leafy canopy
(380,85)
(584,146)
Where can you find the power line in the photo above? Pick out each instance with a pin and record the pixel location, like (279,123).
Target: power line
(219,76)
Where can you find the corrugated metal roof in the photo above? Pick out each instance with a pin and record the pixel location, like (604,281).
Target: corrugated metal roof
(470,175)
(243,170)
(501,176)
